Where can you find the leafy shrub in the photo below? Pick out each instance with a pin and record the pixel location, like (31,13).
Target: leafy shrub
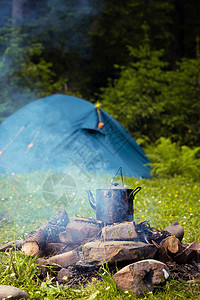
(138,92)
(169,159)
(153,101)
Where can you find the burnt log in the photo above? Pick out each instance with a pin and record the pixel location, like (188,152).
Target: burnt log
(188,254)
(148,234)
(175,229)
(17,244)
(52,249)
(47,233)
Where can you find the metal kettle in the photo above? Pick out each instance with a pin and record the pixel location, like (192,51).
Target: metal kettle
(113,204)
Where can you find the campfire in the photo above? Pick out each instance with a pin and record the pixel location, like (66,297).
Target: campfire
(145,256)
(84,245)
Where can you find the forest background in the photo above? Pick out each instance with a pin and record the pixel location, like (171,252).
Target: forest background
(140,59)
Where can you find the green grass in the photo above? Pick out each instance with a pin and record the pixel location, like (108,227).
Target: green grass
(24,208)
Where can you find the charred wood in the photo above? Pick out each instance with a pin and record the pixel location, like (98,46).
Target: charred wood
(52,249)
(147,234)
(17,244)
(189,253)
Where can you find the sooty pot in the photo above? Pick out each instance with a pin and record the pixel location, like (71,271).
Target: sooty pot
(113,204)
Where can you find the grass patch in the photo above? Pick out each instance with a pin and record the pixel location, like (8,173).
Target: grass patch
(25,208)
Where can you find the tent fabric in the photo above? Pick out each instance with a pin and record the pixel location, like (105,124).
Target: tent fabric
(60,133)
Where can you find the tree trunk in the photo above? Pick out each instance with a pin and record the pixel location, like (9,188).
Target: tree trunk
(179,30)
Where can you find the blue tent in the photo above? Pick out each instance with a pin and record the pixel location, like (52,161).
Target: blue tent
(61,133)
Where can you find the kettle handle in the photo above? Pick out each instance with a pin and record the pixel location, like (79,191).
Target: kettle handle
(135,191)
(112,182)
(91,199)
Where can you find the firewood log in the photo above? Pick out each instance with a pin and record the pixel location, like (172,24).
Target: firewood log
(52,249)
(175,229)
(188,254)
(12,245)
(47,233)
(171,245)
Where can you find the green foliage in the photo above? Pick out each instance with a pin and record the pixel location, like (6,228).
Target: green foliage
(182,101)
(151,101)
(85,39)
(170,159)
(136,98)
(20,270)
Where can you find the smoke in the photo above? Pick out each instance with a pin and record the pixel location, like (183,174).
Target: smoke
(65,23)
(5,11)
(36,195)
(58,22)
(61,26)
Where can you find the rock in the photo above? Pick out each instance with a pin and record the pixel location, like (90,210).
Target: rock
(64,275)
(82,266)
(115,251)
(142,276)
(65,259)
(122,231)
(11,292)
(175,229)
(80,231)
